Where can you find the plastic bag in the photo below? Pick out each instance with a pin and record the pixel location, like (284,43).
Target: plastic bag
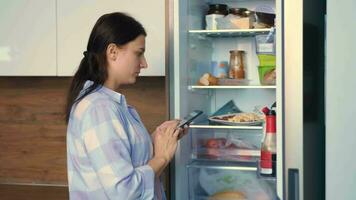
(214,180)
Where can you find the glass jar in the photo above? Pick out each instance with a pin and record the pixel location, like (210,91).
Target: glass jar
(220,9)
(215,11)
(236,64)
(241,12)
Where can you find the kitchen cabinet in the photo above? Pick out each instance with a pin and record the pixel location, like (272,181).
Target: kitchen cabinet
(28,38)
(76,19)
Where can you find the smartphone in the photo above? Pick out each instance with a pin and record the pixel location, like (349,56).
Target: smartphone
(189,118)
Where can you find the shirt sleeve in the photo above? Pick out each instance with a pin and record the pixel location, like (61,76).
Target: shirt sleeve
(108,148)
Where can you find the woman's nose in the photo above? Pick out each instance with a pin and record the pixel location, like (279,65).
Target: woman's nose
(143,63)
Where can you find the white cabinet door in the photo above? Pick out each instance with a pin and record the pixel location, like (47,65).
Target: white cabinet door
(77,18)
(28,38)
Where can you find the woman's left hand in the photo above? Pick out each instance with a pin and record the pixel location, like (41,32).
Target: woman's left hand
(183,131)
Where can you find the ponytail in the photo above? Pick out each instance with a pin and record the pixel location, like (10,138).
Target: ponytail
(90,68)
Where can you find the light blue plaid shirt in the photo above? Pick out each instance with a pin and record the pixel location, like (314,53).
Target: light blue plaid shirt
(108,149)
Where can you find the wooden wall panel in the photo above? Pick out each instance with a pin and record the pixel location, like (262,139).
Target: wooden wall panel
(33,131)
(27,192)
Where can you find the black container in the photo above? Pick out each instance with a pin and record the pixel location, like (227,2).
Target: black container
(266,18)
(242,12)
(220,9)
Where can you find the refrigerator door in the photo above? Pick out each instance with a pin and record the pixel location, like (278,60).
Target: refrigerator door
(292,139)
(303,97)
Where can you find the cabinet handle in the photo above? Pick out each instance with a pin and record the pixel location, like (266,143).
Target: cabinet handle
(293,184)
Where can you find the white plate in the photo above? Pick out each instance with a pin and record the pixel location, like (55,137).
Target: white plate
(220,121)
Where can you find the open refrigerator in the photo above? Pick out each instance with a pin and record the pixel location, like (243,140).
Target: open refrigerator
(198,172)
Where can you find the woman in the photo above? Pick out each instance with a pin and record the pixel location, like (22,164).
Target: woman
(110,153)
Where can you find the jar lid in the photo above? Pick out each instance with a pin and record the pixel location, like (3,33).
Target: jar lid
(218,9)
(238,11)
(237,51)
(218,6)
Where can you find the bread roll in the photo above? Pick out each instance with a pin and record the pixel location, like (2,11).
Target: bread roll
(228,195)
(208,79)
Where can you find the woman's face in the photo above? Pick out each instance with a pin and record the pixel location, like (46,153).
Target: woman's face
(127,62)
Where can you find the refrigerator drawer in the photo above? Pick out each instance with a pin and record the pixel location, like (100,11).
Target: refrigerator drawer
(212,181)
(226,145)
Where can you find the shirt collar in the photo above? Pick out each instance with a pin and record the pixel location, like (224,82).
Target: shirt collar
(115,96)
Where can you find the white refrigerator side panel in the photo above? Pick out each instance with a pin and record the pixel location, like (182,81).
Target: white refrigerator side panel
(340,107)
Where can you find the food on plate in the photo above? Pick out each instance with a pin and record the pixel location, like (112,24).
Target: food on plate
(208,79)
(228,195)
(241,117)
(245,117)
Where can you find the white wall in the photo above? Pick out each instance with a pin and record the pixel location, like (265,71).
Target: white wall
(340,99)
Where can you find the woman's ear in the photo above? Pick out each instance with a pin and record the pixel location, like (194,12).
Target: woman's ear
(112,52)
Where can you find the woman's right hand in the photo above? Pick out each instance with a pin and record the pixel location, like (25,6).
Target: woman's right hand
(165,144)
(165,140)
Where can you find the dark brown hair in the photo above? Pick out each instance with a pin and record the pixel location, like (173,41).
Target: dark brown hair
(117,28)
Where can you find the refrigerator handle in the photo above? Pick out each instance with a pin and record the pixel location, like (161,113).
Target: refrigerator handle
(293,184)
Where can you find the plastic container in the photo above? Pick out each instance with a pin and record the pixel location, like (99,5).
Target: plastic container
(267,19)
(267,75)
(220,69)
(207,180)
(267,59)
(265,16)
(265,44)
(226,145)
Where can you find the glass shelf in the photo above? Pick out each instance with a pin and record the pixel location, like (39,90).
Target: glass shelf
(231,32)
(232,87)
(225,165)
(207,126)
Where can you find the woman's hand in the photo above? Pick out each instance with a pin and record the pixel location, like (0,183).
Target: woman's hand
(164,125)
(165,140)
(183,132)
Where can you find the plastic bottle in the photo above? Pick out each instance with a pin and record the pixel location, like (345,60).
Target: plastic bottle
(268,147)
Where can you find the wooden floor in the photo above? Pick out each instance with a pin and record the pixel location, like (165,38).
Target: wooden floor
(20,192)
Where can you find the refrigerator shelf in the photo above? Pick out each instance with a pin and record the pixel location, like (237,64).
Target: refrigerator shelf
(232,87)
(204,126)
(224,165)
(231,32)
(252,159)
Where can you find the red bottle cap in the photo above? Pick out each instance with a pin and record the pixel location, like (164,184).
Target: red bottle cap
(265,110)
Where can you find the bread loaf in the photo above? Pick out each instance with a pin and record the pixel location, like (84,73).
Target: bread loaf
(228,195)
(208,79)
